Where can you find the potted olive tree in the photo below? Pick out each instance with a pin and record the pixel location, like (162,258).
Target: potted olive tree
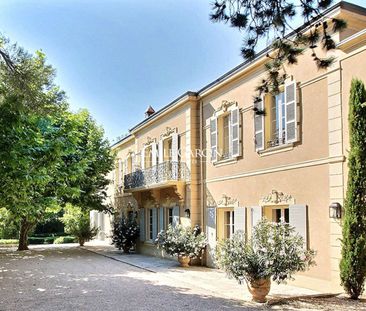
(184,242)
(275,252)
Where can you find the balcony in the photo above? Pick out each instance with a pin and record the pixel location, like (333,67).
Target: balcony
(163,174)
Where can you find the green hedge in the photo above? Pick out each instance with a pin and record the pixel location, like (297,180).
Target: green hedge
(8,241)
(41,240)
(65,239)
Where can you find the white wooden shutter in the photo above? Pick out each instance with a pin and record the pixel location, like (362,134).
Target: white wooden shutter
(235,143)
(239,219)
(142,224)
(175,216)
(154,222)
(256,214)
(119,172)
(259,126)
(161,151)
(211,229)
(174,150)
(134,159)
(142,158)
(291,112)
(161,218)
(153,154)
(298,219)
(213,135)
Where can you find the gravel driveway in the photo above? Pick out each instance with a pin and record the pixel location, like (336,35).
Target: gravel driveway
(75,279)
(71,278)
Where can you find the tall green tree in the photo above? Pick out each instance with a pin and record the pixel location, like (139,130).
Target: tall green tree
(273,21)
(353,263)
(49,156)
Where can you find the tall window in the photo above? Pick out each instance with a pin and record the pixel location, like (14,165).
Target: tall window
(277,213)
(225,140)
(170,216)
(167,149)
(228,224)
(151,224)
(277,133)
(280,213)
(148,157)
(129,164)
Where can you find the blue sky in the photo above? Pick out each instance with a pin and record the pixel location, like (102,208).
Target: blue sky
(117,57)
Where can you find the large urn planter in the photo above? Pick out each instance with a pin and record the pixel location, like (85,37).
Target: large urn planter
(184,261)
(259,289)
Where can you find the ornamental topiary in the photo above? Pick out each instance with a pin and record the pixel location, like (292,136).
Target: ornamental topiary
(125,233)
(182,241)
(353,263)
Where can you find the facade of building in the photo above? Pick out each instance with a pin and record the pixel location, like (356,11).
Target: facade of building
(209,159)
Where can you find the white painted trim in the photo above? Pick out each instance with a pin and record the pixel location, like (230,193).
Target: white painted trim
(280,168)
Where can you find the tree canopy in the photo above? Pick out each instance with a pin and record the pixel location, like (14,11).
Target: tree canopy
(273,21)
(49,155)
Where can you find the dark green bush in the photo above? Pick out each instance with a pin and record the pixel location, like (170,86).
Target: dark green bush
(41,240)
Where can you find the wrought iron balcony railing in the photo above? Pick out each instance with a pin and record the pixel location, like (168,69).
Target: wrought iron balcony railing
(161,173)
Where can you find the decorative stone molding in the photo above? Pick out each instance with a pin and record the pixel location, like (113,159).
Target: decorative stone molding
(168,132)
(227,201)
(277,198)
(225,105)
(149,141)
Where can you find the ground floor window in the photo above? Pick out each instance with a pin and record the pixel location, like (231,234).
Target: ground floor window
(150,224)
(225,223)
(276,213)
(170,216)
(228,224)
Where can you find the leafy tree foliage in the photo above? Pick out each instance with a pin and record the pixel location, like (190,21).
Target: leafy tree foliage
(272,20)
(353,263)
(49,156)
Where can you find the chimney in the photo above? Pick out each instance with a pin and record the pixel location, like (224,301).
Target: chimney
(149,111)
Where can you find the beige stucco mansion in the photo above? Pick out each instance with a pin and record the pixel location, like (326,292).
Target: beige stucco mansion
(209,159)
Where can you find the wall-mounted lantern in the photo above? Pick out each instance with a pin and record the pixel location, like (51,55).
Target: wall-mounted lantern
(335,210)
(187,213)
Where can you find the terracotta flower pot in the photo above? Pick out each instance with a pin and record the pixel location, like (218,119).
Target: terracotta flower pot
(184,261)
(259,289)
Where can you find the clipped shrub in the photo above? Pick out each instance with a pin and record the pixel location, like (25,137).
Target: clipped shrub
(353,263)
(65,240)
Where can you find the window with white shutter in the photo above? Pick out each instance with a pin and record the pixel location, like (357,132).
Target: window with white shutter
(239,219)
(143,158)
(119,172)
(259,125)
(298,219)
(256,215)
(153,154)
(291,112)
(213,135)
(161,218)
(175,216)
(161,151)
(174,151)
(142,224)
(154,223)
(235,139)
